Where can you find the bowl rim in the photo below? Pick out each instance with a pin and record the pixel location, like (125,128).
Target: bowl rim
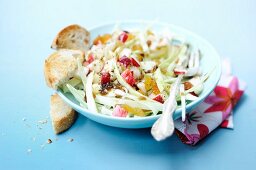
(163,24)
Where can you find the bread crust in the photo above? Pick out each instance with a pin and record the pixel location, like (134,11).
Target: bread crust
(60,66)
(62,115)
(72,37)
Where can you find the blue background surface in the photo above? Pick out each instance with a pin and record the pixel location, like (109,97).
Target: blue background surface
(27,29)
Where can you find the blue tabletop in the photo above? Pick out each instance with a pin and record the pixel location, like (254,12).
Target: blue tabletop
(27,29)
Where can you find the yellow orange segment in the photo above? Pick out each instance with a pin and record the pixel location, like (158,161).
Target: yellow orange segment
(137,47)
(102,39)
(155,89)
(148,82)
(135,111)
(130,37)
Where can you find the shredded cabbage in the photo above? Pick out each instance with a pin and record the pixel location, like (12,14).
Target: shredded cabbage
(154,106)
(183,102)
(158,53)
(146,105)
(73,82)
(78,94)
(81,72)
(142,41)
(173,54)
(89,95)
(106,111)
(159,77)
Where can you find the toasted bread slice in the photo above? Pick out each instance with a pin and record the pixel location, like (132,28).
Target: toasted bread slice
(72,37)
(62,115)
(60,66)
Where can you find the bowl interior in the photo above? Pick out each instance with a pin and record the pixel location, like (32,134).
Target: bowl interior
(210,61)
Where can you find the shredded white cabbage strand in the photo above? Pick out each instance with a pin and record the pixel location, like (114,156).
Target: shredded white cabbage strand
(78,94)
(89,95)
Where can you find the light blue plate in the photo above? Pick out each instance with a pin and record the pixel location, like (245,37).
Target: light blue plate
(210,60)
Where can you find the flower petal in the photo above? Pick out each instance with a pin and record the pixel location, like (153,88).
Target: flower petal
(182,137)
(233,85)
(224,124)
(192,138)
(237,96)
(226,112)
(212,99)
(219,106)
(221,92)
(203,130)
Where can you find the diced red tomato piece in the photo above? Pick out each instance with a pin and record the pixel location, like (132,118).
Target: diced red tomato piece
(119,112)
(134,62)
(159,98)
(105,78)
(90,58)
(86,63)
(125,61)
(123,37)
(128,76)
(179,72)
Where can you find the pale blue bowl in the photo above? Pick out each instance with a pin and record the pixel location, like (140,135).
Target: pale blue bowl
(210,60)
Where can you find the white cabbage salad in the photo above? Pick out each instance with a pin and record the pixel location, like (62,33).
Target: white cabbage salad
(130,73)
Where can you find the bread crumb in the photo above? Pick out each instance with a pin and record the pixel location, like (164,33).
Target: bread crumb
(70,140)
(29,151)
(42,121)
(56,139)
(24,119)
(49,141)
(39,127)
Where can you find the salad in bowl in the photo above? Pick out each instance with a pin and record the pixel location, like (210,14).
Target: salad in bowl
(128,74)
